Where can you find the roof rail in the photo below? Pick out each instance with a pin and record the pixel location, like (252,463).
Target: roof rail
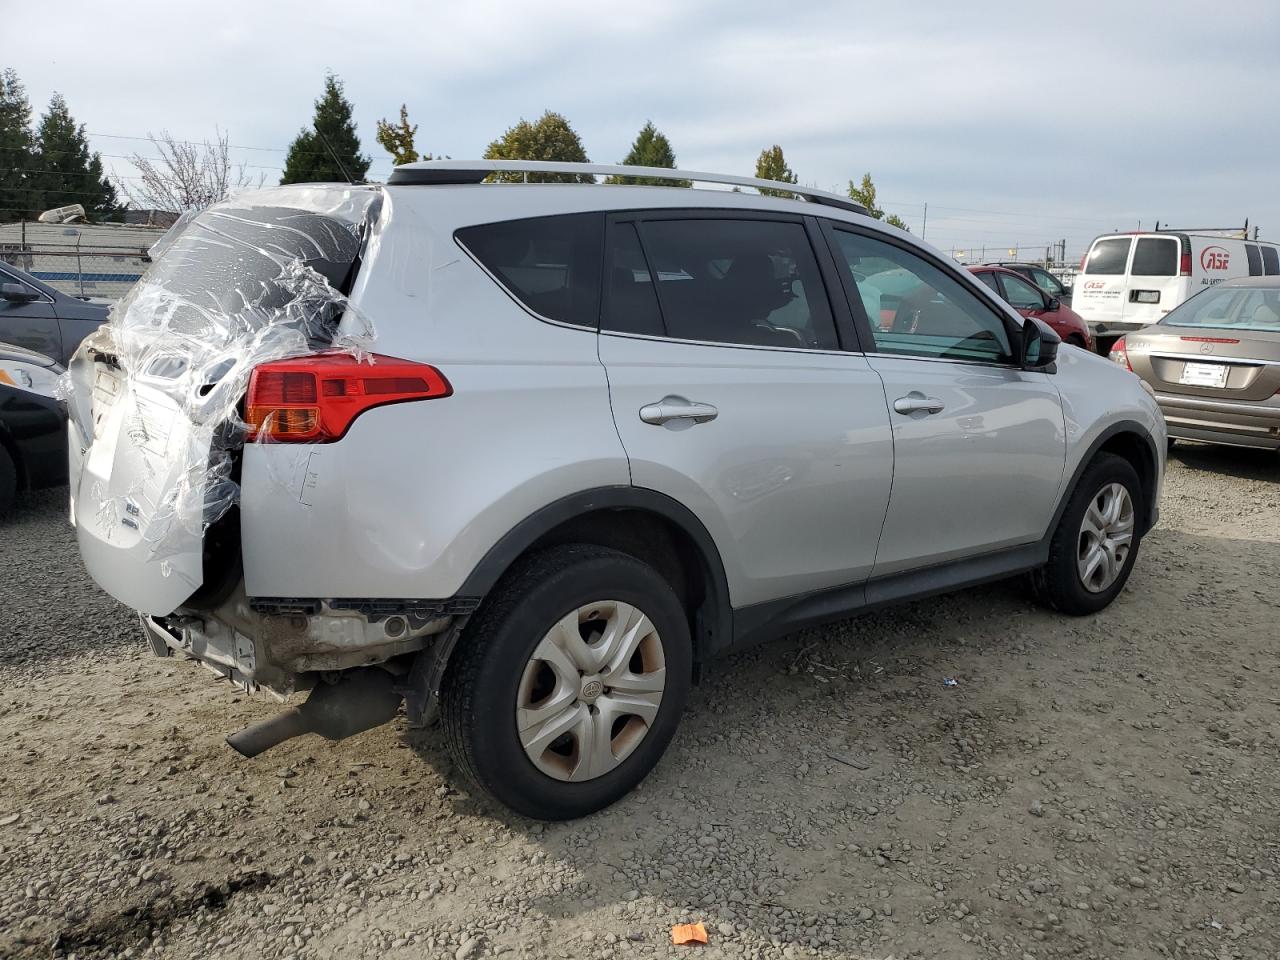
(441,172)
(1240,233)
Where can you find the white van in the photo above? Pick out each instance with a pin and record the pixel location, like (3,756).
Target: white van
(1130,280)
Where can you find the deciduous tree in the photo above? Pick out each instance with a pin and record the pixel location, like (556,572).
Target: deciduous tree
(184,175)
(865,194)
(772,165)
(550,137)
(397,139)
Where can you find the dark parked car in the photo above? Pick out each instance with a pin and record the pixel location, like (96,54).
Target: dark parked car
(37,317)
(1030,301)
(33,424)
(1041,277)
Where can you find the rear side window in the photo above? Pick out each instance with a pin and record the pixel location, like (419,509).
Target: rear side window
(1108,256)
(1270,261)
(742,282)
(632,304)
(1254,257)
(1047,282)
(990,280)
(551,265)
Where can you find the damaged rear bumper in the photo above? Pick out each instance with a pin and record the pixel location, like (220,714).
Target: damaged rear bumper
(284,645)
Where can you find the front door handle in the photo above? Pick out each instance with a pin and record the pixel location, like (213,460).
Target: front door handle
(674,408)
(917,402)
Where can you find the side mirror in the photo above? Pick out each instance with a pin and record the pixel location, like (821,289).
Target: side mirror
(1054,303)
(17,293)
(1039,345)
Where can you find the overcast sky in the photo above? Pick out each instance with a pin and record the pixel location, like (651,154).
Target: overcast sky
(1017,123)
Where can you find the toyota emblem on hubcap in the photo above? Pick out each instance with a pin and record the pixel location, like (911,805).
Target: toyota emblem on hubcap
(592,689)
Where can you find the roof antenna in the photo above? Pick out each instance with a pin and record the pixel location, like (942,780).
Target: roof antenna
(334,155)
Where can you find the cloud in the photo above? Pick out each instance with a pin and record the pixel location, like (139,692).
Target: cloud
(1029,124)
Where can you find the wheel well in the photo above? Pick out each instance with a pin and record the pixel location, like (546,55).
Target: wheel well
(659,542)
(19,468)
(1138,452)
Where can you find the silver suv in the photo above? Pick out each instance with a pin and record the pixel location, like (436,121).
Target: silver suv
(527,455)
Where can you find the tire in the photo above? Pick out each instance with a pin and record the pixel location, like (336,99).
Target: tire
(8,482)
(1059,584)
(494,672)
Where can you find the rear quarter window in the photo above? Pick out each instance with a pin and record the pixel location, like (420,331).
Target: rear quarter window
(550,265)
(1270,261)
(1254,257)
(1108,256)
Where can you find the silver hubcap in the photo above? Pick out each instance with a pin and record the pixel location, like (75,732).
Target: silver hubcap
(1106,536)
(591,691)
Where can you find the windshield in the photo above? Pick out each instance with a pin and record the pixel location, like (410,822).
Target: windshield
(1048,283)
(1230,308)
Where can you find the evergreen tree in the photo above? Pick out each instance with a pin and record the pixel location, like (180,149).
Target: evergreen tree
(69,172)
(650,149)
(397,139)
(330,150)
(548,138)
(772,165)
(865,194)
(18,199)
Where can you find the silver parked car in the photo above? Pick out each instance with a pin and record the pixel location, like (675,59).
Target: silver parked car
(526,455)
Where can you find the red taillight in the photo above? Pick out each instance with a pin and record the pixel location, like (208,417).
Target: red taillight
(1120,354)
(314,399)
(1184,265)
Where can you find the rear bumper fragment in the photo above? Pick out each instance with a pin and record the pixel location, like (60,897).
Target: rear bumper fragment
(1238,423)
(285,650)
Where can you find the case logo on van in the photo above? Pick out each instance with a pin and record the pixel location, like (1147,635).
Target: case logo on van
(1095,285)
(1214,258)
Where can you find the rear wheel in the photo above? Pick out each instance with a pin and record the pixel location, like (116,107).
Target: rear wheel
(569,682)
(1094,547)
(8,482)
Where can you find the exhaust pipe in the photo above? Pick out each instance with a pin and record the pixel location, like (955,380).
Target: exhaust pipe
(360,700)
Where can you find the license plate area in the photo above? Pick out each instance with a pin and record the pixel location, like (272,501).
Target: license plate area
(1204,375)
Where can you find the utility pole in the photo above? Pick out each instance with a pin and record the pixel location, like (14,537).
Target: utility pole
(925,222)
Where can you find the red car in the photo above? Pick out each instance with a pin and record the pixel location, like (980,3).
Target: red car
(1030,301)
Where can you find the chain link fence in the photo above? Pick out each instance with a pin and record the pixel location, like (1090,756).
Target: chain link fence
(98,261)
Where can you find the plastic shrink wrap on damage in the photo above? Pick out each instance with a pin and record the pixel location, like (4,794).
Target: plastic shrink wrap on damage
(155,394)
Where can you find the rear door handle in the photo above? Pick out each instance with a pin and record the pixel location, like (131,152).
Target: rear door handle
(917,402)
(674,408)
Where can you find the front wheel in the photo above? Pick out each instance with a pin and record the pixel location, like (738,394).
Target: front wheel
(1096,542)
(569,682)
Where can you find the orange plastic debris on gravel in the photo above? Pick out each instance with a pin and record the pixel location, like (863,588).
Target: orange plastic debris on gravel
(688,933)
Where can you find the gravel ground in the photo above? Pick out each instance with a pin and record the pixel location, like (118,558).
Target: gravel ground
(1103,787)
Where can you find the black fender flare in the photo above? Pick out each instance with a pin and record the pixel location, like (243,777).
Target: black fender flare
(1150,509)
(715,618)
